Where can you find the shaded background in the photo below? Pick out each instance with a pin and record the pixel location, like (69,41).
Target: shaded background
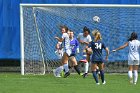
(10,21)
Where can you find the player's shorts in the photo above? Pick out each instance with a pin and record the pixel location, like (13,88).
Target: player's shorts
(73,55)
(97,62)
(133,62)
(68,51)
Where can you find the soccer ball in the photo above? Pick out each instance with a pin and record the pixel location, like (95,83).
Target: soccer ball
(96,19)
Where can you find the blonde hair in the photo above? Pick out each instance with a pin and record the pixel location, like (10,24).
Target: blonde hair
(94,32)
(97,35)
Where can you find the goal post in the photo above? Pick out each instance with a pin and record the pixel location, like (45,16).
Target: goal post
(39,24)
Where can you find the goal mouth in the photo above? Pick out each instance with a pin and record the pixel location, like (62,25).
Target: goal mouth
(39,24)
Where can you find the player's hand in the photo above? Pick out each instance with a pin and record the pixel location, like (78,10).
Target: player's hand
(86,43)
(56,38)
(113,50)
(81,41)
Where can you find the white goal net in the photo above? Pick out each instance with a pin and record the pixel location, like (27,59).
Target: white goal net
(40,24)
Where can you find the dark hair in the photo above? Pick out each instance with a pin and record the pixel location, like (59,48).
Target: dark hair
(65,27)
(133,36)
(86,29)
(71,31)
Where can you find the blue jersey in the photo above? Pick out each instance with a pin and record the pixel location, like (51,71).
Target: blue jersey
(74,45)
(97,50)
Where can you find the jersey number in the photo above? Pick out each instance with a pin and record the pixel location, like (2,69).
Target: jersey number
(98,45)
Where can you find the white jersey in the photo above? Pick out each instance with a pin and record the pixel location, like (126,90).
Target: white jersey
(85,39)
(66,41)
(134,46)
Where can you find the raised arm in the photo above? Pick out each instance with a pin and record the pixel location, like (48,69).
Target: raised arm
(59,39)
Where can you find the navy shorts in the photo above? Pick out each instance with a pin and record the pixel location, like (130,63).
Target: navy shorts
(72,55)
(97,62)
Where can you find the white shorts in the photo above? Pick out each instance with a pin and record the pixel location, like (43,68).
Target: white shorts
(68,51)
(133,62)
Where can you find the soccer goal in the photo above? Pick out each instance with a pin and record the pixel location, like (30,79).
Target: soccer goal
(39,24)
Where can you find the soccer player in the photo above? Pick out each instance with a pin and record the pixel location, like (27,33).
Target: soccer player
(75,49)
(133,56)
(74,44)
(97,58)
(84,39)
(67,52)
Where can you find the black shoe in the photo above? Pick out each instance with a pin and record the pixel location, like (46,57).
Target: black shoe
(85,75)
(66,74)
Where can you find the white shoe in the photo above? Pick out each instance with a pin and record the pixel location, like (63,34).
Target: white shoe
(104,83)
(58,76)
(97,83)
(131,80)
(135,83)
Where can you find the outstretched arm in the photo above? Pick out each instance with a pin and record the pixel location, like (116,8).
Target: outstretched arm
(59,39)
(121,47)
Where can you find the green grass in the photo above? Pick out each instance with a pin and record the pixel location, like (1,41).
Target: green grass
(15,83)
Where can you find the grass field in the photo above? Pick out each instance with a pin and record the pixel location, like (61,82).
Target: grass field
(15,83)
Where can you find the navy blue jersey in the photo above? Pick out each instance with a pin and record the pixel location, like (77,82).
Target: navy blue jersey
(97,50)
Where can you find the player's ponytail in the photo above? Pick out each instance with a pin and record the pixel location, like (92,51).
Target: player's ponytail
(97,36)
(133,36)
(86,29)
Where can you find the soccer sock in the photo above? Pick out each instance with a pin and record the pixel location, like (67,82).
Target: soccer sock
(66,68)
(59,69)
(69,67)
(130,74)
(102,75)
(135,76)
(86,67)
(77,69)
(95,76)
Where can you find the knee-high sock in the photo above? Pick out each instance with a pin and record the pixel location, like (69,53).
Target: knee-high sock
(102,75)
(135,76)
(130,74)
(86,67)
(77,69)
(59,69)
(95,76)
(66,68)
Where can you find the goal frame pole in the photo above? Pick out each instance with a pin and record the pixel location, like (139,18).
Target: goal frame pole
(81,5)
(21,40)
(60,5)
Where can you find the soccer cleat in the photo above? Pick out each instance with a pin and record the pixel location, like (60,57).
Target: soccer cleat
(81,74)
(58,76)
(62,73)
(66,74)
(104,83)
(85,75)
(131,81)
(135,83)
(97,83)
